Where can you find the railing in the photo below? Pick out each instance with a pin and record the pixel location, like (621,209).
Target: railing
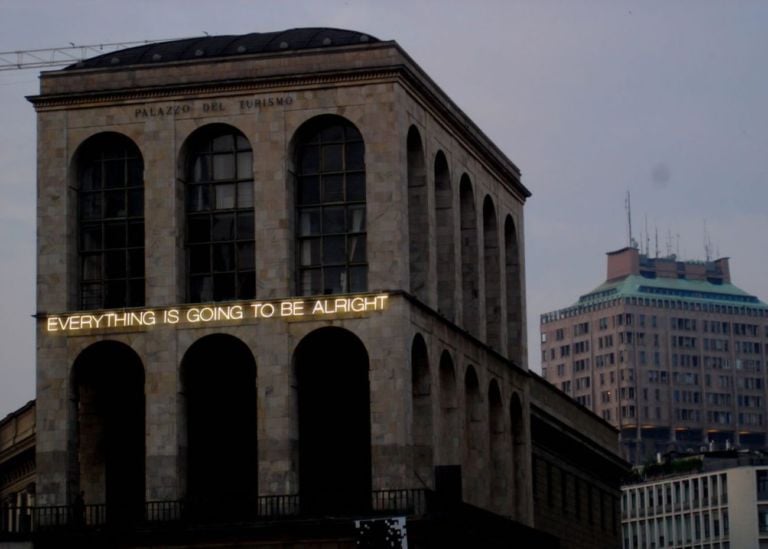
(26,520)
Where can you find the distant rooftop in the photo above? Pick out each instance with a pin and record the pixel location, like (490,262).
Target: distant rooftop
(207,47)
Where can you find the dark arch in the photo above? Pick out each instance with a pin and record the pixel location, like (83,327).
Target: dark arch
(514,292)
(492,275)
(418,217)
(334,422)
(110,222)
(519,469)
(421,391)
(449,417)
(445,241)
(469,256)
(330,222)
(473,437)
(218,374)
(217,171)
(498,448)
(108,395)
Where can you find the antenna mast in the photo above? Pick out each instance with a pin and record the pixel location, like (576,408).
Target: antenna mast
(628,207)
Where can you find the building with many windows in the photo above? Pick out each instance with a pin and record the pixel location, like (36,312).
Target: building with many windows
(670,352)
(280,279)
(721,502)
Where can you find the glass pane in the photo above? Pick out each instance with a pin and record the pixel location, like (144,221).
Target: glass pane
(244,165)
(114,294)
(356,219)
(311,282)
(309,190)
(114,174)
(242,143)
(136,202)
(332,158)
(114,204)
(199,259)
(136,263)
(91,267)
(223,167)
(135,175)
(114,264)
(197,198)
(245,257)
(333,220)
(90,178)
(90,237)
(246,285)
(309,252)
(224,287)
(356,187)
(202,169)
(225,197)
(245,194)
(309,222)
(309,159)
(335,280)
(223,227)
(136,292)
(223,143)
(332,133)
(90,296)
(90,205)
(136,234)
(334,250)
(333,188)
(245,227)
(354,156)
(200,288)
(198,229)
(223,257)
(358,279)
(114,235)
(356,249)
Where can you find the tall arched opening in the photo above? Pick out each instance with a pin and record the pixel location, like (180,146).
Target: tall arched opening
(418,218)
(492,275)
(514,292)
(219,384)
(334,422)
(470,287)
(421,391)
(473,437)
(108,394)
(498,450)
(517,442)
(445,241)
(449,414)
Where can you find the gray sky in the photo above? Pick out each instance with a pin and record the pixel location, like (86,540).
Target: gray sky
(590,99)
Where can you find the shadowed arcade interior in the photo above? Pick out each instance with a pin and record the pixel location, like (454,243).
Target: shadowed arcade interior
(108,382)
(334,422)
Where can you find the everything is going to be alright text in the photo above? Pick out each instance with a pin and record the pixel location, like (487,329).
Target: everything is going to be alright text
(286,309)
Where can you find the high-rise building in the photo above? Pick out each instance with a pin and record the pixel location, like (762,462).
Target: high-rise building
(670,352)
(280,288)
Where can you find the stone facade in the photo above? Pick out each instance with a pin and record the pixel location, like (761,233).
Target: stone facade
(447,370)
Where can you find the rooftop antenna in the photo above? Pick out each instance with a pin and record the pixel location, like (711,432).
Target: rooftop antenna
(707,243)
(657,241)
(647,238)
(669,242)
(677,244)
(628,207)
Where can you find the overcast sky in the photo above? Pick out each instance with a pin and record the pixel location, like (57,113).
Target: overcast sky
(668,100)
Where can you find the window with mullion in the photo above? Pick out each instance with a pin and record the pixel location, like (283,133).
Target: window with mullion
(220,228)
(110,224)
(330,204)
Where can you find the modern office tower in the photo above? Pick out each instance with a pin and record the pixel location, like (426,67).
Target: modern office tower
(716,500)
(280,289)
(670,352)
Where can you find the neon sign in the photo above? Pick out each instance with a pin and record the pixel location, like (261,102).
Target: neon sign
(311,309)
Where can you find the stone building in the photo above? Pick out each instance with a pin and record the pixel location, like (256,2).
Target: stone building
(670,352)
(281,275)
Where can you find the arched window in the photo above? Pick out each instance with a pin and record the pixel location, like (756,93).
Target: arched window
(418,218)
(110,212)
(469,256)
(445,238)
(219,215)
(492,276)
(330,208)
